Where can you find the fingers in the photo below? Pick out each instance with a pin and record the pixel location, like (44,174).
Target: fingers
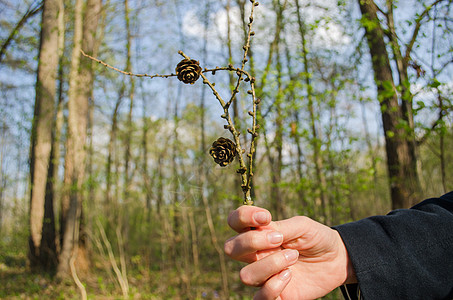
(274,286)
(257,273)
(245,217)
(247,245)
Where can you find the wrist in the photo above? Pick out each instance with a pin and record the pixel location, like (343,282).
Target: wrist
(346,265)
(351,278)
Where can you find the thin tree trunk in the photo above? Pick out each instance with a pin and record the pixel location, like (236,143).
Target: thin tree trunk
(146,178)
(371,153)
(124,212)
(195,251)
(203,172)
(321,199)
(71,201)
(294,133)
(41,137)
(276,196)
(215,243)
(2,184)
(59,116)
(80,90)
(111,150)
(127,142)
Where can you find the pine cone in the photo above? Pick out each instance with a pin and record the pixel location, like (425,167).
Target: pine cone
(188,70)
(223,151)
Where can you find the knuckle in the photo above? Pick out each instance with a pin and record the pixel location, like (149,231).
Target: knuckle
(228,248)
(255,241)
(242,216)
(230,216)
(246,277)
(300,219)
(272,288)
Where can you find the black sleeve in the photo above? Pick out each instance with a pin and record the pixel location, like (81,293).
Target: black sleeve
(407,254)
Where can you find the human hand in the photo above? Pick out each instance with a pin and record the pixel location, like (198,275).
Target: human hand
(296,258)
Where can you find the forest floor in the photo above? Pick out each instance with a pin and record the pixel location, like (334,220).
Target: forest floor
(17,282)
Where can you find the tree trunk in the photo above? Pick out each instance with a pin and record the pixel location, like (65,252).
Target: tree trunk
(111,149)
(80,91)
(48,248)
(276,175)
(147,187)
(41,137)
(321,199)
(127,152)
(401,160)
(2,175)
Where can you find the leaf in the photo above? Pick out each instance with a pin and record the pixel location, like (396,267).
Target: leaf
(387,89)
(390,133)
(435,83)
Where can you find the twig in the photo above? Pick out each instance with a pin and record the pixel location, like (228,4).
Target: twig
(230,125)
(246,48)
(123,72)
(122,261)
(122,281)
(229,68)
(245,171)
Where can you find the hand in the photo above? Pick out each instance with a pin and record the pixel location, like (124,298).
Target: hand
(297,258)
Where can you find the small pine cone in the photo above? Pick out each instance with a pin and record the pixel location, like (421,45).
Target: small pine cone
(188,70)
(223,151)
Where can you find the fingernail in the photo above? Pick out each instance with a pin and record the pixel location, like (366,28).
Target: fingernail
(284,275)
(275,237)
(291,255)
(261,217)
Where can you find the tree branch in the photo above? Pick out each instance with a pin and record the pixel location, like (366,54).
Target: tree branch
(418,24)
(28,14)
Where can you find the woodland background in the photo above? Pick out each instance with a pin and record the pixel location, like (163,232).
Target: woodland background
(107,189)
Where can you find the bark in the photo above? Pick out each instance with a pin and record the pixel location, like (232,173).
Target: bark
(70,202)
(48,245)
(401,160)
(127,142)
(111,150)
(276,175)
(41,137)
(80,91)
(124,213)
(294,127)
(2,180)
(146,178)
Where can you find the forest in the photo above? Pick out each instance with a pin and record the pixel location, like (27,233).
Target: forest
(131,128)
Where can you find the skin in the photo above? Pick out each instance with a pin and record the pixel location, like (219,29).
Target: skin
(296,258)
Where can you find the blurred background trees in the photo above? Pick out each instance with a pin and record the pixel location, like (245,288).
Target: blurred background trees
(105,179)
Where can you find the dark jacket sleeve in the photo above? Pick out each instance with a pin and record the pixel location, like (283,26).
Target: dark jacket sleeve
(407,254)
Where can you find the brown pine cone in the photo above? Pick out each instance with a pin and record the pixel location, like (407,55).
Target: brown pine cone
(188,70)
(223,151)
